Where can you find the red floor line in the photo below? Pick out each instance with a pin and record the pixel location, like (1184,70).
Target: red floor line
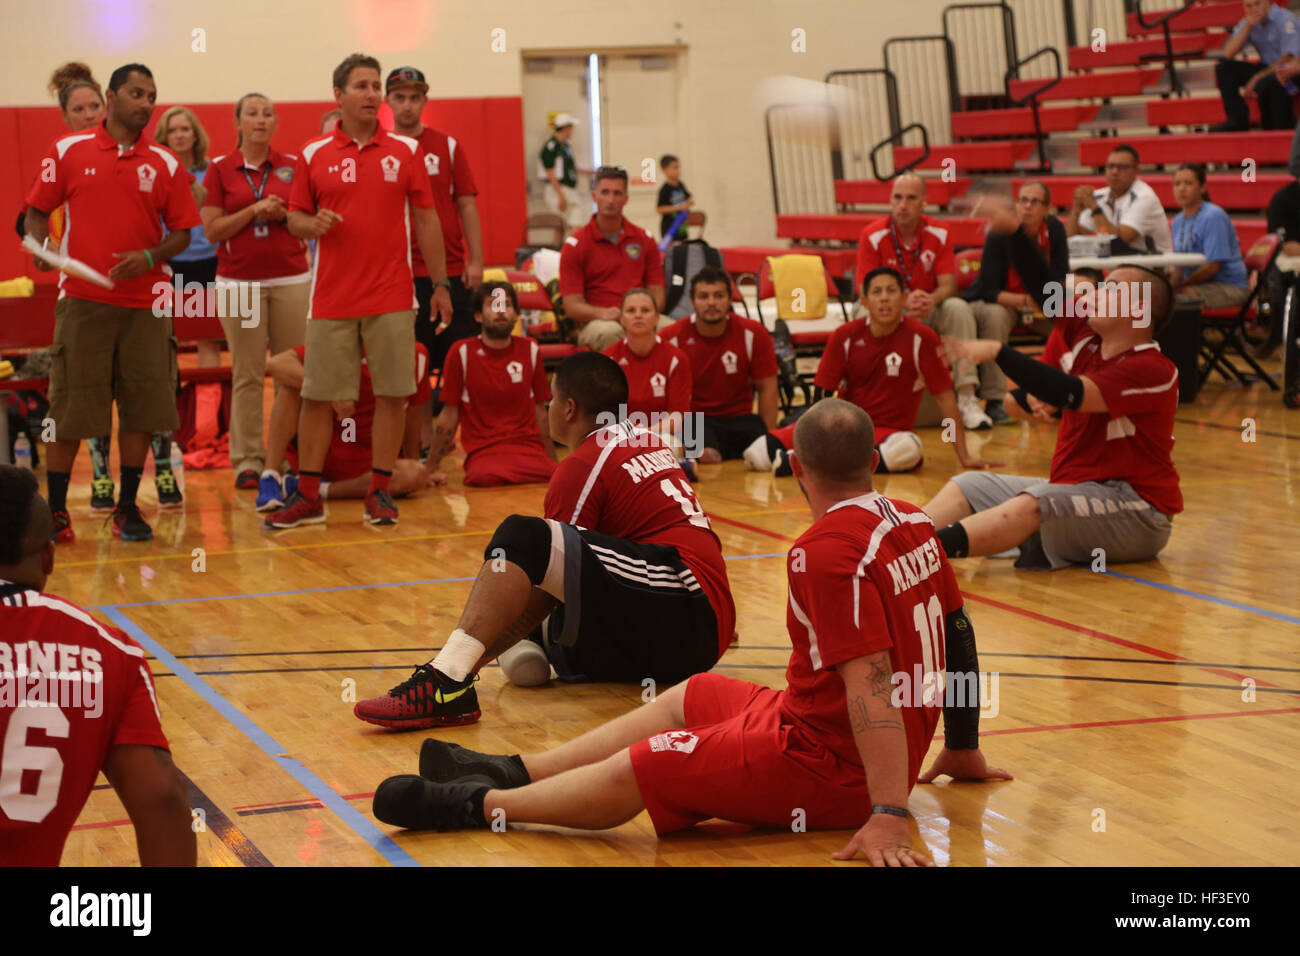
(751,527)
(97,826)
(306,799)
(1140,720)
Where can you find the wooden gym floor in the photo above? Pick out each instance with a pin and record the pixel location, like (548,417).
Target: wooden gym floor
(1120,705)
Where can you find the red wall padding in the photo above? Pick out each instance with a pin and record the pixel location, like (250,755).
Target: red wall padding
(489,129)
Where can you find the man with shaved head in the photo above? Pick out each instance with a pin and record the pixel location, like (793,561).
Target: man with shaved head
(1113,490)
(920,249)
(881,642)
(78,697)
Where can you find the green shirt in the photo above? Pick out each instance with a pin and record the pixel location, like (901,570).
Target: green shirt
(558,157)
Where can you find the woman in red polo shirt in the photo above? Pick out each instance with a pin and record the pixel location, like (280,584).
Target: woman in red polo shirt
(261,269)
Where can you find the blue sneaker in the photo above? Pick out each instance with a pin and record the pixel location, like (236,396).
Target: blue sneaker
(270,493)
(290,486)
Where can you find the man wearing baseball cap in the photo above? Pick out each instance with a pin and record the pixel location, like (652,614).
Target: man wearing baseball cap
(406,93)
(555,166)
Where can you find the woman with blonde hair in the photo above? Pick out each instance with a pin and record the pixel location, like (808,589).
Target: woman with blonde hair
(257,259)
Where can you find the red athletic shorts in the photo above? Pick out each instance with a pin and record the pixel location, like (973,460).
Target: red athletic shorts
(508,465)
(740,759)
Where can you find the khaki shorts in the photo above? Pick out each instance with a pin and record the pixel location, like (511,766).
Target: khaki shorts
(107,353)
(332,365)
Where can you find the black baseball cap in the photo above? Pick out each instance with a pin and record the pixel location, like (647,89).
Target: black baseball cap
(405,76)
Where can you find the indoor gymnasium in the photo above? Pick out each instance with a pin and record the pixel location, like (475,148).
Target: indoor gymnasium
(508,435)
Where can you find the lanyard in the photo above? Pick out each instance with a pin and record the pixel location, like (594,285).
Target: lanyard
(257,190)
(905,269)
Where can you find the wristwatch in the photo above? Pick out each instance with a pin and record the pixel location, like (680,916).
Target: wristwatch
(445,283)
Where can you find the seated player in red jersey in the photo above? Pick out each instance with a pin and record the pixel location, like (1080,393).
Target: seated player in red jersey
(658,376)
(76,698)
(878,628)
(1113,488)
(731,358)
(880,363)
(625,571)
(494,387)
(346,472)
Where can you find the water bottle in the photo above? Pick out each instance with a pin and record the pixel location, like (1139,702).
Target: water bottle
(178,466)
(23,452)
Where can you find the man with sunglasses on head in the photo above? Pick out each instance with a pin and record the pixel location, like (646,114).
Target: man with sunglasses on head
(605,258)
(1113,490)
(1126,209)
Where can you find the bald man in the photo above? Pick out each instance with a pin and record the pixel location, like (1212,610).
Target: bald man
(841,743)
(1113,489)
(105,715)
(920,249)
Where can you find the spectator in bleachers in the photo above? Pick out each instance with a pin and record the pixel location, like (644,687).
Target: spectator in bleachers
(1203,227)
(605,258)
(346,471)
(558,170)
(731,357)
(494,388)
(920,250)
(658,372)
(244,213)
(1273,32)
(1126,208)
(998,297)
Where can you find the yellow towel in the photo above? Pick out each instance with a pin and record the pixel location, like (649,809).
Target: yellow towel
(800,284)
(16,288)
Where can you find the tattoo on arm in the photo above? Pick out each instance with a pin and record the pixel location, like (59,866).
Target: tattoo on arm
(860,721)
(441,443)
(879,678)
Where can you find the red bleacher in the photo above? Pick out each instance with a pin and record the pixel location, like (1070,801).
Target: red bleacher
(1020,121)
(1226,189)
(847,227)
(999,154)
(1086,86)
(1265,147)
(1136,52)
(1193,111)
(861,192)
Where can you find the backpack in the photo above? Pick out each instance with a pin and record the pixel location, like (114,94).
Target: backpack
(683,260)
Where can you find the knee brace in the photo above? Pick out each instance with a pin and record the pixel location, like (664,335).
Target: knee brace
(900,452)
(525,542)
(526,664)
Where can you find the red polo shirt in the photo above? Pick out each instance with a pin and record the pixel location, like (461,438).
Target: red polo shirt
(277,255)
(724,370)
(659,381)
(363,264)
(601,271)
(928,256)
(449,172)
(118,200)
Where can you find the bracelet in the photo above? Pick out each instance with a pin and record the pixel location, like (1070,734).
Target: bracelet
(891,811)
(445,283)
(149,255)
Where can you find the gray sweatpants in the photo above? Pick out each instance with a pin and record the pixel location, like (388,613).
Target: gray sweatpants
(1076,519)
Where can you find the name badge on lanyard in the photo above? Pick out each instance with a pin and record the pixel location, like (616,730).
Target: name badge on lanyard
(261,228)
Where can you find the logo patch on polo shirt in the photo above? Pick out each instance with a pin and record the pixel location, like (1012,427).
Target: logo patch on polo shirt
(516,370)
(284,174)
(634,250)
(729,362)
(927,260)
(431,163)
(892,363)
(390,165)
(147,176)
(657,382)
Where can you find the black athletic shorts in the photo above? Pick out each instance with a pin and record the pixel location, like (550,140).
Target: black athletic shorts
(630,611)
(463,324)
(731,436)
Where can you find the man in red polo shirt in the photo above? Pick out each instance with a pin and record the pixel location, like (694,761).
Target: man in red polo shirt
(605,258)
(920,250)
(731,357)
(113,344)
(494,388)
(351,193)
(453,197)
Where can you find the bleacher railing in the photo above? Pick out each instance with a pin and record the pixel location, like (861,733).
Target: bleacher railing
(866,106)
(893,141)
(983,36)
(803,154)
(1175,84)
(926,95)
(1044,163)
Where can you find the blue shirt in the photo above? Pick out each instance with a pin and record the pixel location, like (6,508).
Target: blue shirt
(1210,233)
(1275,37)
(199,247)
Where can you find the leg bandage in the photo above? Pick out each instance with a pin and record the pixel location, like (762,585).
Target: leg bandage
(458,656)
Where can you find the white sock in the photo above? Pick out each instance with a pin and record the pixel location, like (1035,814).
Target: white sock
(324,490)
(458,656)
(272,472)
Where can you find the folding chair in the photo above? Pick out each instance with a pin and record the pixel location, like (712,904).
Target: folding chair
(1228,322)
(790,282)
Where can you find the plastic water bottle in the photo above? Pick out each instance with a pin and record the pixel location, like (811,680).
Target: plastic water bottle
(178,466)
(23,452)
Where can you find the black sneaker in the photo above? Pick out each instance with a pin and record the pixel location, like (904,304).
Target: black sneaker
(417,804)
(1227,128)
(103,496)
(169,492)
(442,762)
(247,479)
(426,699)
(128,525)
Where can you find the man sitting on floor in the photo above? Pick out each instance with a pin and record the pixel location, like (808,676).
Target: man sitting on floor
(1113,488)
(843,742)
(346,473)
(494,388)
